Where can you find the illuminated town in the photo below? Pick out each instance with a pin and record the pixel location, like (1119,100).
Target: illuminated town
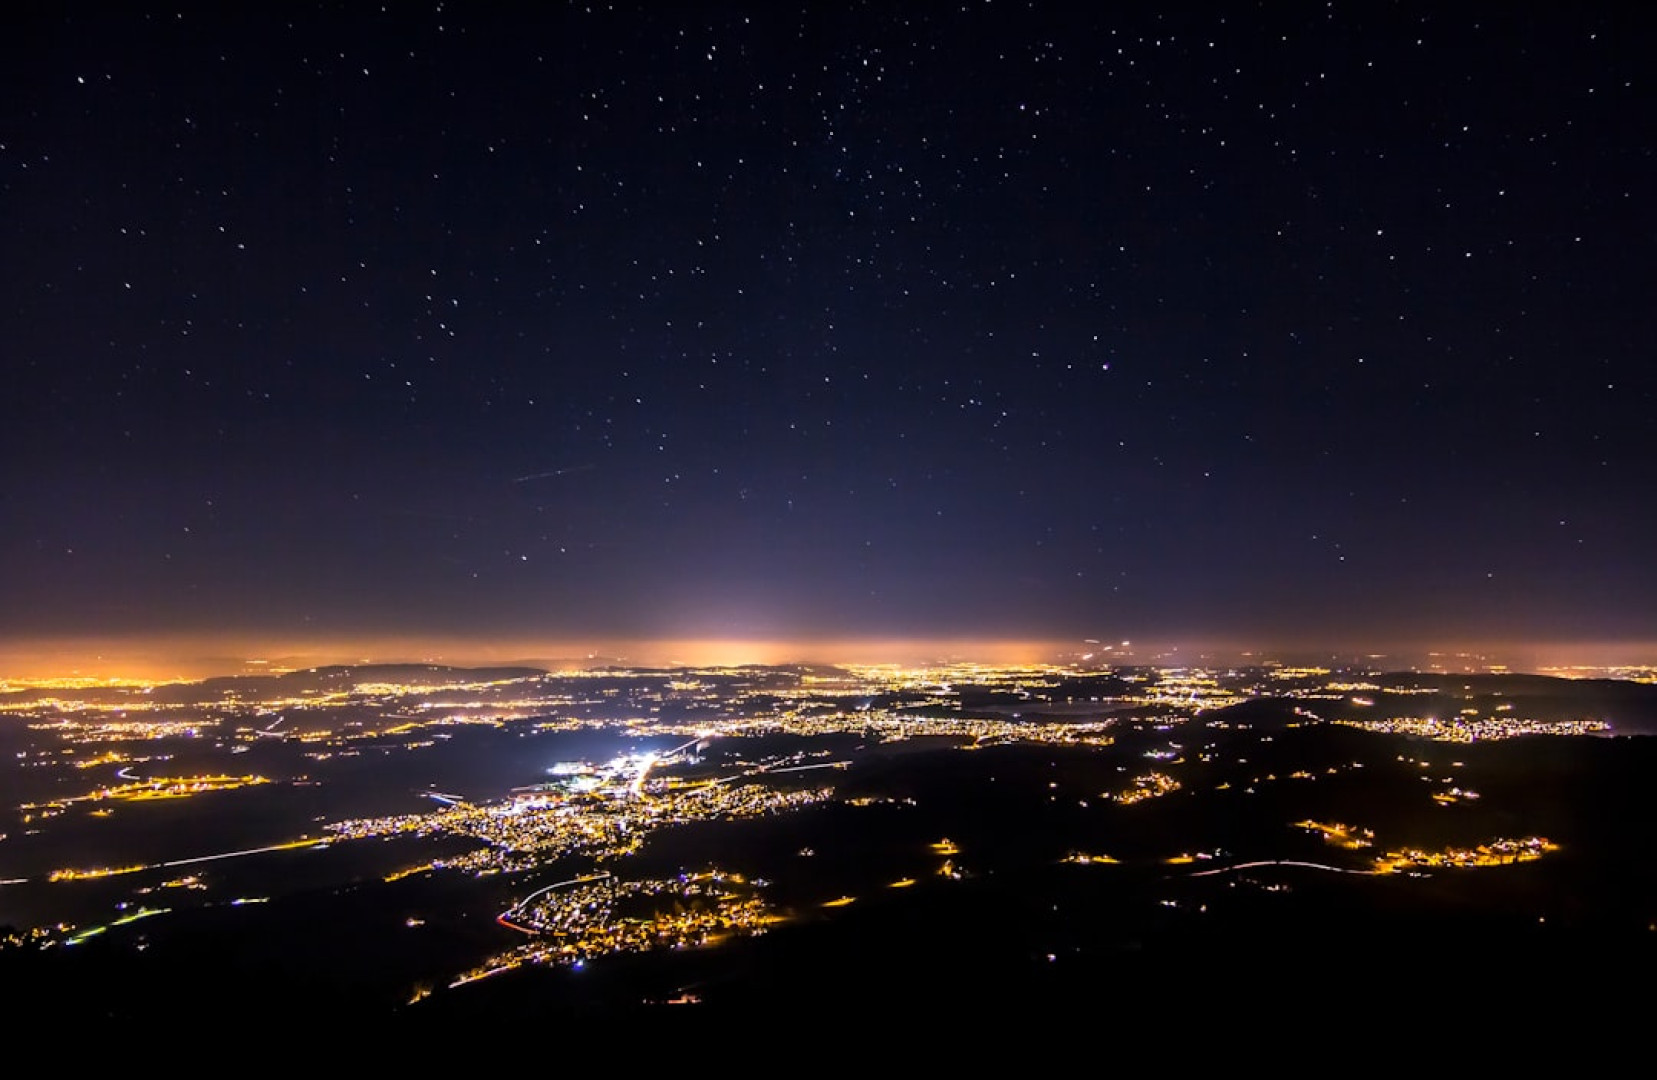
(585,854)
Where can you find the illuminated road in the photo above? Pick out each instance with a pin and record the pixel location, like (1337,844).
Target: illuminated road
(651,760)
(307,842)
(644,771)
(94,931)
(1282,862)
(675,751)
(506,917)
(289,846)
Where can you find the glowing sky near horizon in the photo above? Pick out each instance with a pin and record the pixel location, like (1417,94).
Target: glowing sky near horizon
(781,323)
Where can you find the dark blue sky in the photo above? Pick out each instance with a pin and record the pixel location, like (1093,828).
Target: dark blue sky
(1236,321)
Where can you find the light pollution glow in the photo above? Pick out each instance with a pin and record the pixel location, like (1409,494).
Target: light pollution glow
(176,657)
(181,657)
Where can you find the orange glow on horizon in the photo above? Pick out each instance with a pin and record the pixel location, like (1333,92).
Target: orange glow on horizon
(162,658)
(185,657)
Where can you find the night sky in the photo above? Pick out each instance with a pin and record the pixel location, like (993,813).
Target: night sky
(1278,322)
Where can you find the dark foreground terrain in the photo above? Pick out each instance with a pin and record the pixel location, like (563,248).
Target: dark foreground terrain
(1259,859)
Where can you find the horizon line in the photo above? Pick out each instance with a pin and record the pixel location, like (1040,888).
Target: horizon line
(192,656)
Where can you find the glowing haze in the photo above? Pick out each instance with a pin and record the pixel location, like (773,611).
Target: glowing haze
(765,332)
(182,658)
